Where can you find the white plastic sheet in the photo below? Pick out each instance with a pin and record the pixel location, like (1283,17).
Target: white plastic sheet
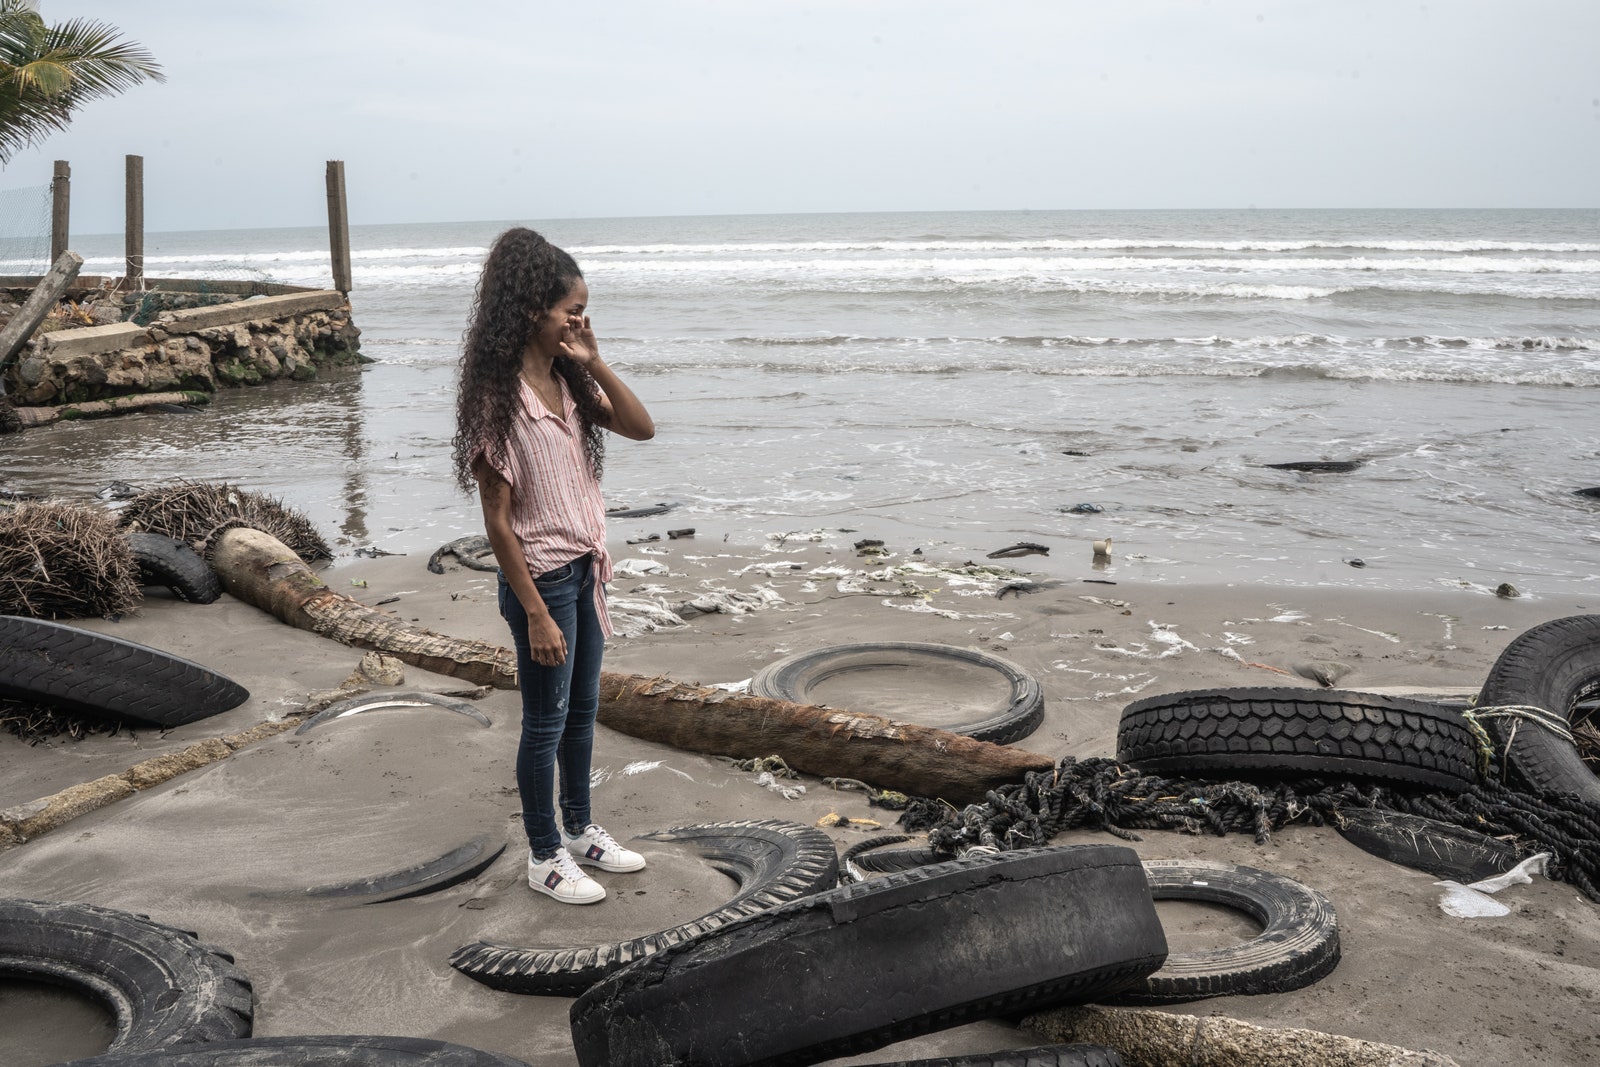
(1476,901)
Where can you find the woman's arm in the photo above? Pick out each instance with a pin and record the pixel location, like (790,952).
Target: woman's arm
(545,639)
(625,413)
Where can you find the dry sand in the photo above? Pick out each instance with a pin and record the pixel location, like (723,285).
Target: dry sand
(227,849)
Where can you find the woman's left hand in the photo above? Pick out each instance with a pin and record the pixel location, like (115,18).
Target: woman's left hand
(577,341)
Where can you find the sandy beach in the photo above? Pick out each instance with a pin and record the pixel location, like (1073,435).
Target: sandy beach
(229,849)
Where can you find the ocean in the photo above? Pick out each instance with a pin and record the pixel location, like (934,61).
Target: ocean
(964,381)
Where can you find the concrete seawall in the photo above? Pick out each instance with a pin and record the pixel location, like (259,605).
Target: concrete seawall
(216,345)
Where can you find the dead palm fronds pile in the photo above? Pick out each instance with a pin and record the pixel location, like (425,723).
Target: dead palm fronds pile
(34,723)
(64,561)
(195,512)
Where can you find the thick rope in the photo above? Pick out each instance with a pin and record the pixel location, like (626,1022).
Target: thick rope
(1102,794)
(1518,714)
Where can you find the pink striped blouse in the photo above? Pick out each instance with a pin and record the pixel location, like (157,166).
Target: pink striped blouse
(557,511)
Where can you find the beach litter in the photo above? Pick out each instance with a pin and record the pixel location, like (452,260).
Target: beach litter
(1021,548)
(472,552)
(1475,901)
(638,568)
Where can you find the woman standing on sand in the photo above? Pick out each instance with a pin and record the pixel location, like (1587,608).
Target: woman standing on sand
(535,401)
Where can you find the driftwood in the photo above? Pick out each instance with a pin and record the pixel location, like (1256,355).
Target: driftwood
(260,570)
(116,405)
(918,760)
(40,302)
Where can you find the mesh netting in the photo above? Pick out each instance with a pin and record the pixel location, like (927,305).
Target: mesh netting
(25,230)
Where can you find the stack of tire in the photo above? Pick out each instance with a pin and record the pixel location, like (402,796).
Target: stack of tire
(1542,679)
(1286,732)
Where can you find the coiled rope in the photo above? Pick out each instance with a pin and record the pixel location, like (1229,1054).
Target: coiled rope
(1102,794)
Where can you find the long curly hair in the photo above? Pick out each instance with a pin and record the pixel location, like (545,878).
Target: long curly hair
(523,277)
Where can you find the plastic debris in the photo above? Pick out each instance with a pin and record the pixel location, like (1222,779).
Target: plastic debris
(1476,902)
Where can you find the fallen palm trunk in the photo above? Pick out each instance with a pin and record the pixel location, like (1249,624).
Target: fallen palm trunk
(117,405)
(259,569)
(919,760)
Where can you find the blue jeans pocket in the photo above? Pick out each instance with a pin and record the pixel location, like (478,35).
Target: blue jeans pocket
(556,576)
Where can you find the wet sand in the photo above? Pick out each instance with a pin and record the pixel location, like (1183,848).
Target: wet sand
(228,850)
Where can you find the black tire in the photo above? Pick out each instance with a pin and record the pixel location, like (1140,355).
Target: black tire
(452,868)
(50,663)
(861,966)
(163,986)
(371,701)
(1298,943)
(330,1050)
(853,864)
(1423,844)
(1038,1056)
(1299,732)
(792,677)
(173,564)
(772,861)
(1553,666)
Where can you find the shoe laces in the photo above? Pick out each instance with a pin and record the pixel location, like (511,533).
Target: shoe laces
(567,867)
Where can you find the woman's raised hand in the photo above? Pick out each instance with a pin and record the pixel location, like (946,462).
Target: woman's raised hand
(577,341)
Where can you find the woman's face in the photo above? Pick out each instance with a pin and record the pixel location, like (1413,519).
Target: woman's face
(566,314)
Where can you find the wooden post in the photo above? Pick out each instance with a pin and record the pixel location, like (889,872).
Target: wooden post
(39,303)
(133,226)
(338,227)
(60,208)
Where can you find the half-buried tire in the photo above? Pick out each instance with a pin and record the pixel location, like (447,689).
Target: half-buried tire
(329,1050)
(171,563)
(162,985)
(771,860)
(1283,731)
(1009,719)
(861,966)
(51,663)
(1439,848)
(1298,943)
(1553,666)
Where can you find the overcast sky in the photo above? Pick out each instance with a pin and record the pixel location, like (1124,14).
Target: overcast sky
(524,109)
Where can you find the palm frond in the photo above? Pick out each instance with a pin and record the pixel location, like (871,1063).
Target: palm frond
(47,72)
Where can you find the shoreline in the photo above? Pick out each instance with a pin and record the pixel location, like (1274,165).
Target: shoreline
(380,791)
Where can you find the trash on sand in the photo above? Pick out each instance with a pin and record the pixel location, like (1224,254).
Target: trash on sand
(845,822)
(1475,902)
(641,766)
(788,792)
(637,568)
(1021,548)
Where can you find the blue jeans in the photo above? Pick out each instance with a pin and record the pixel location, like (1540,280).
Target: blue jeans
(558,704)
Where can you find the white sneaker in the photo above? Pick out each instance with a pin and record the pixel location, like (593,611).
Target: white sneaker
(560,877)
(598,849)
